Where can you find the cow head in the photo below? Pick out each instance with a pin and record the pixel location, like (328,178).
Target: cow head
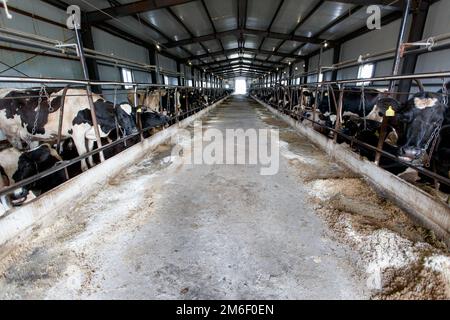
(33,162)
(153,120)
(308,99)
(422,117)
(384,103)
(126,119)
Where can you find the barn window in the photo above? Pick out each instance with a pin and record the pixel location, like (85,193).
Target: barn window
(189,83)
(365,72)
(127,76)
(166,80)
(321,77)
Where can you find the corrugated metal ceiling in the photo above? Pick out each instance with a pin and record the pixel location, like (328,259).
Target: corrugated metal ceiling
(195,19)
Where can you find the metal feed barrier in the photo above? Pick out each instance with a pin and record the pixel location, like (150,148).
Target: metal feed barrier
(318,88)
(136,88)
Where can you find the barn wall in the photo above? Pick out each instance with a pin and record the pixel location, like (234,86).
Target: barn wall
(386,38)
(38,65)
(371,42)
(114,46)
(438,22)
(170,65)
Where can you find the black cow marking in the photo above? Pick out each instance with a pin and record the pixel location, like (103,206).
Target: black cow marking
(24,104)
(32,163)
(106,117)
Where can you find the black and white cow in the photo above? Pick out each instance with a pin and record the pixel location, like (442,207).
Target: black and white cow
(353,103)
(421,117)
(171,102)
(424,118)
(16,166)
(22,120)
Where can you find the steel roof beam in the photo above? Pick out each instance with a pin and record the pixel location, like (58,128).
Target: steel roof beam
(239,59)
(244,50)
(332,24)
(242,13)
(239,69)
(211,22)
(131,8)
(239,72)
(242,65)
(384,21)
(301,22)
(238,32)
(280,5)
(186,28)
(398,5)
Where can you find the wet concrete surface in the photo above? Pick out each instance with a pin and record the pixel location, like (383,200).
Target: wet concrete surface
(167,230)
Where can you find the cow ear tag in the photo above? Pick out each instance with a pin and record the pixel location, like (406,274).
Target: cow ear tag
(390,112)
(139,110)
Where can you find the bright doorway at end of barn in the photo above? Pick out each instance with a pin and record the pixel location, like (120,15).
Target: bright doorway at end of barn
(240,86)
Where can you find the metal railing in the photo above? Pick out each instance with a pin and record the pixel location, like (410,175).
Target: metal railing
(317,89)
(217,93)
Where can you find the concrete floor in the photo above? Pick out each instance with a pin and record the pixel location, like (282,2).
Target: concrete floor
(164,230)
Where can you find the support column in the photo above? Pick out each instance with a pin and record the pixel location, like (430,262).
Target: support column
(419,18)
(336,57)
(306,70)
(154,62)
(291,74)
(179,80)
(92,66)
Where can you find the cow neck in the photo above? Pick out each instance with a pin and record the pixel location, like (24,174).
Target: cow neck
(433,141)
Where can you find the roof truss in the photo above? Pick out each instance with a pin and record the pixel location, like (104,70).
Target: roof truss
(239,32)
(231,61)
(131,8)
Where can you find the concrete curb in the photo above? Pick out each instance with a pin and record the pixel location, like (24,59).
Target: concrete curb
(422,207)
(19,222)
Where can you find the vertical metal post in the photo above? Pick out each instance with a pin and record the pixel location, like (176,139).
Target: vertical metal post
(395,71)
(336,58)
(339,112)
(300,102)
(179,80)
(88,90)
(319,71)
(419,19)
(305,70)
(152,57)
(138,114)
(92,66)
(158,75)
(401,40)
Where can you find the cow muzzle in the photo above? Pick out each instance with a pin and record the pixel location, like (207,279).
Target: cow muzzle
(410,154)
(19,196)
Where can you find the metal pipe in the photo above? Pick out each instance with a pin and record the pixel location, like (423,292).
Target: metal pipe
(89,91)
(427,75)
(401,40)
(65,164)
(395,71)
(426,172)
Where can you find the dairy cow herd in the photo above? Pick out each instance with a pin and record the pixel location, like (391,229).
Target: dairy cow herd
(46,126)
(416,132)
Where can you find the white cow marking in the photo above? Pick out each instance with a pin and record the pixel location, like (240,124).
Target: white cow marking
(127,108)
(425,103)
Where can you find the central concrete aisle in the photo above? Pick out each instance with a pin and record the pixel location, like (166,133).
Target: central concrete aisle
(165,230)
